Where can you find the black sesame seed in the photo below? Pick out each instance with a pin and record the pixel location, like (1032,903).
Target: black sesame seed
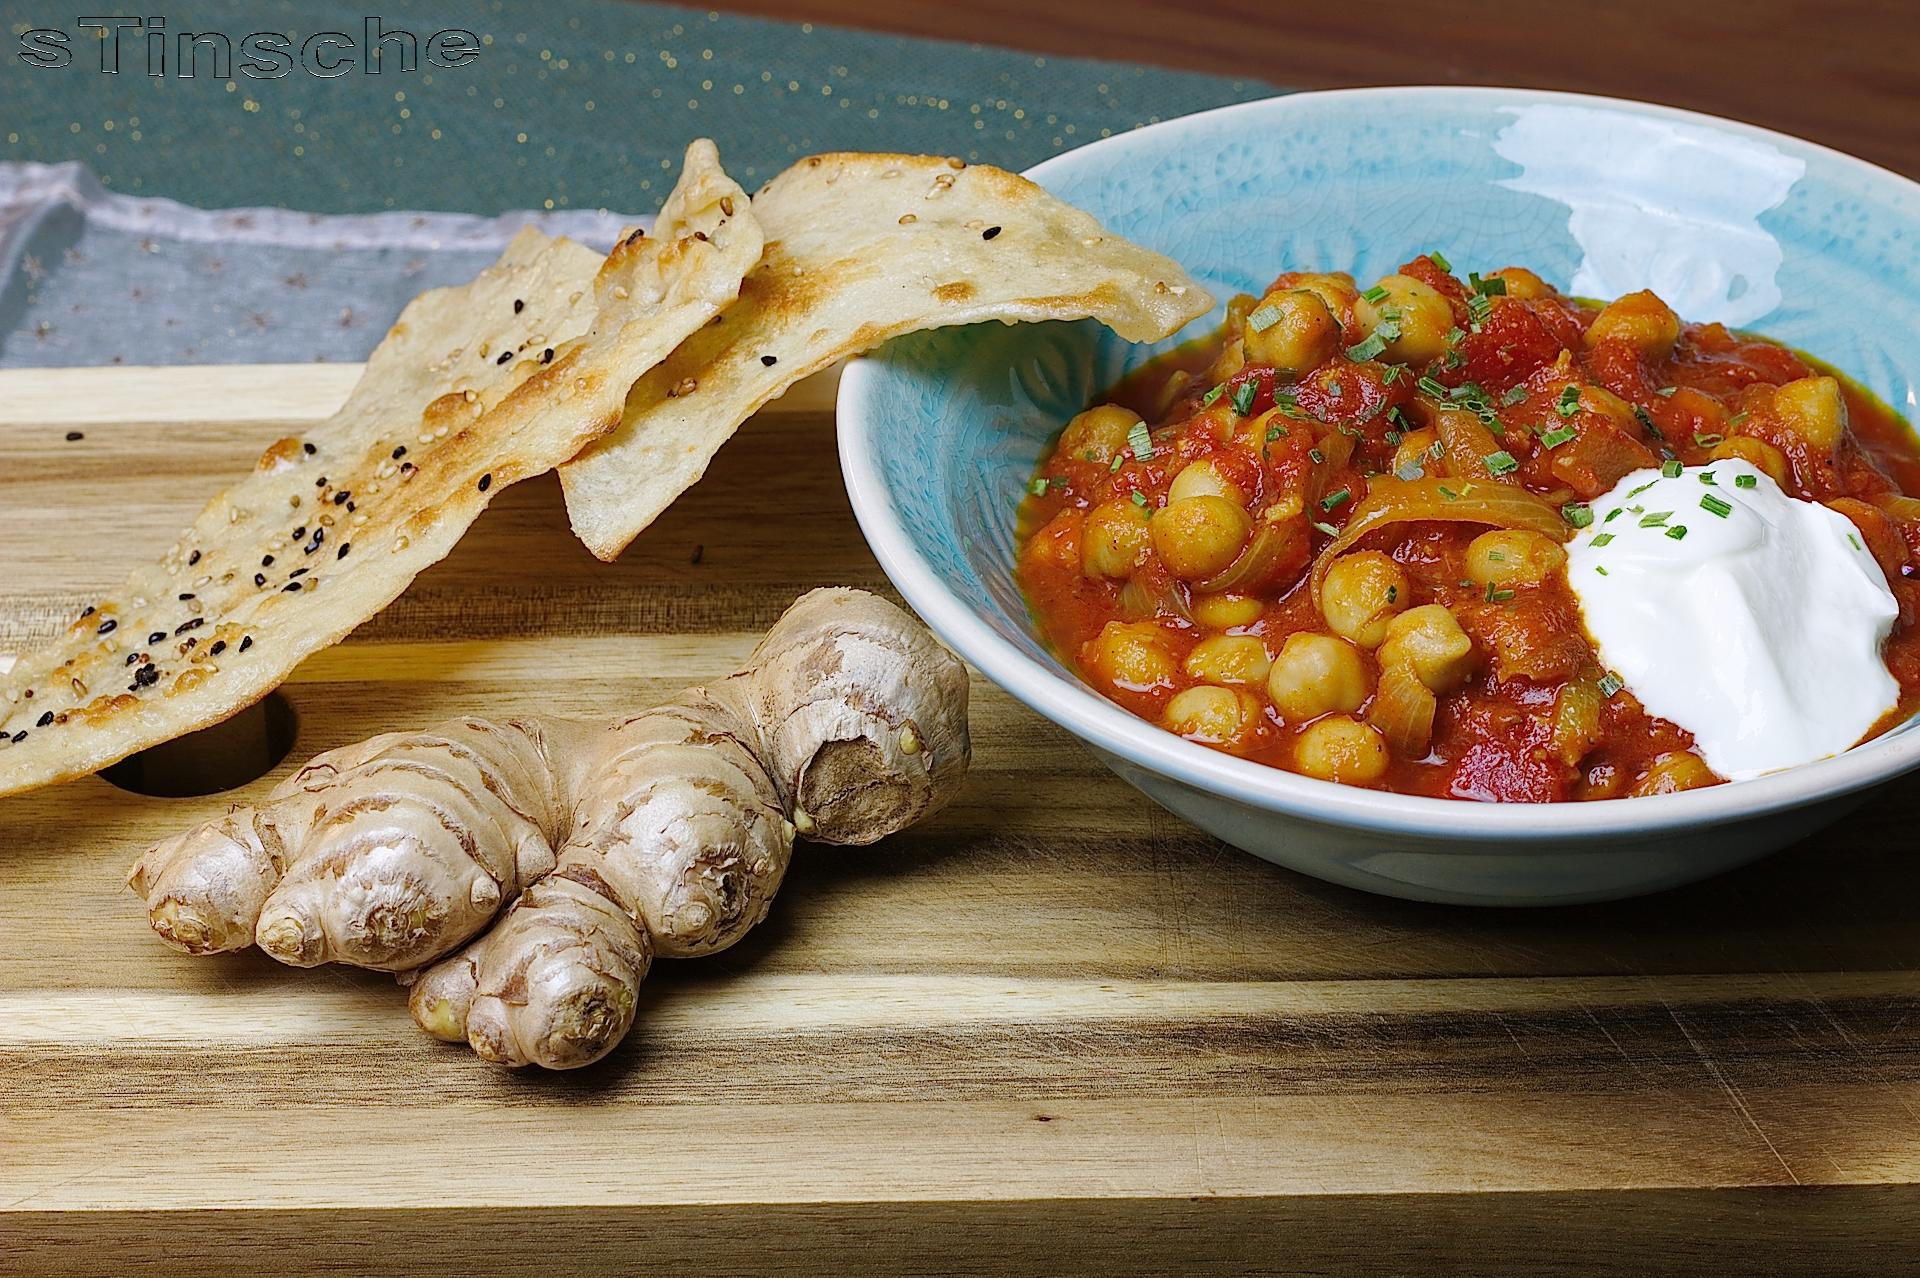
(518,306)
(340,498)
(156,636)
(769,360)
(246,643)
(20,736)
(219,646)
(351,508)
(310,449)
(259,579)
(146,677)
(108,626)
(990,232)
(486,482)
(75,436)
(319,535)
(298,573)
(266,561)
(191,623)
(185,597)
(134,656)
(44,720)
(400,452)
(299,532)
(189,645)
(320,482)
(546,356)
(345,546)
(504,357)
(88,611)
(291,587)
(193,559)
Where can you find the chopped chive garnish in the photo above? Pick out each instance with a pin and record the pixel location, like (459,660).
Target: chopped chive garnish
(1641,489)
(1439,260)
(1716,505)
(1370,347)
(1601,539)
(1569,402)
(1038,487)
(1707,439)
(1479,307)
(1263,318)
(1393,374)
(1855,540)
(1677,531)
(1706,477)
(1392,437)
(1454,337)
(1746,481)
(1558,436)
(1513,396)
(1275,431)
(1611,683)
(1495,595)
(1319,457)
(1244,395)
(1448,493)
(1611,515)
(1577,513)
(1206,400)
(1602,570)
(1487,288)
(1666,392)
(1431,387)
(1374,295)
(1500,463)
(1671,469)
(1334,499)
(1328,529)
(1734,422)
(1119,460)
(1287,404)
(1140,499)
(1656,519)
(1140,442)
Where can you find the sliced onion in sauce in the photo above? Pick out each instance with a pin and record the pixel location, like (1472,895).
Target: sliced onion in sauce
(1467,501)
(1403,710)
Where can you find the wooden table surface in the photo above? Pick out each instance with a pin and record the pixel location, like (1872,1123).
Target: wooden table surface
(1055,1030)
(1840,72)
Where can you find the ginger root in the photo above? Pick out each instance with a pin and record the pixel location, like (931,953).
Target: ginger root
(664,833)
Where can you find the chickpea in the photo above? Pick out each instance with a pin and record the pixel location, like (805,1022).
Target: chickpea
(1673,772)
(1361,594)
(1336,289)
(1813,409)
(1412,452)
(1300,331)
(1429,641)
(1641,320)
(1114,540)
(1099,434)
(1132,655)
(1425,318)
(1762,455)
(1224,612)
(1212,716)
(1338,748)
(1196,537)
(1314,675)
(1522,283)
(1513,557)
(1229,659)
(1203,479)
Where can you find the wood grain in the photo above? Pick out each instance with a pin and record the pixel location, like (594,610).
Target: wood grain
(1054,1031)
(1833,71)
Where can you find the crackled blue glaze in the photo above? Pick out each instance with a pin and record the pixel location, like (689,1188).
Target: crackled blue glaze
(940,431)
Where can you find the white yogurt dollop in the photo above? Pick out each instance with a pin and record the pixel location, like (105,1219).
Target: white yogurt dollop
(1758,628)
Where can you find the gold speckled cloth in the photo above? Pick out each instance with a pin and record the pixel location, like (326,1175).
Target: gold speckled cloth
(571,108)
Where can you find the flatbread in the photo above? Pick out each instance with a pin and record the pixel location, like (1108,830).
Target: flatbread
(860,249)
(475,388)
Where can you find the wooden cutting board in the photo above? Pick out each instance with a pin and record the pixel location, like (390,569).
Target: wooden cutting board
(1054,1030)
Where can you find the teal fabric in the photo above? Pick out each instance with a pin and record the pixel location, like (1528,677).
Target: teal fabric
(583,103)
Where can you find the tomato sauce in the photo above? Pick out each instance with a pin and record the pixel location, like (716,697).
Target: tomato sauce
(1319,395)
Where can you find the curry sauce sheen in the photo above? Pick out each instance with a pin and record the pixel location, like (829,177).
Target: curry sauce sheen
(1331,537)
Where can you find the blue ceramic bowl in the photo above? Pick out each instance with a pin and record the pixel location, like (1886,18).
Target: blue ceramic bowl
(939,433)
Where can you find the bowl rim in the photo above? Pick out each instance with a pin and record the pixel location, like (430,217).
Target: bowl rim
(1109,728)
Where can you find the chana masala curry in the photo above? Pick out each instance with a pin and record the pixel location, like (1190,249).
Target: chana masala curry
(1333,537)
